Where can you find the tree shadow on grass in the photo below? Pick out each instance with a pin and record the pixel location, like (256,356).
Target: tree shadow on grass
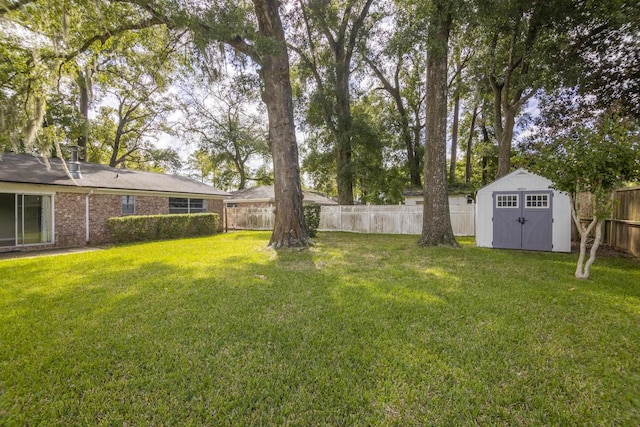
(330,335)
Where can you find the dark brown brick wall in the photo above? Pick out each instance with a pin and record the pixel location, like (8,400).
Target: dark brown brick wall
(70,215)
(69,219)
(217,206)
(102,207)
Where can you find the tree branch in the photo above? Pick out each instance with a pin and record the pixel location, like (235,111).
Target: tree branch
(10,7)
(353,37)
(102,38)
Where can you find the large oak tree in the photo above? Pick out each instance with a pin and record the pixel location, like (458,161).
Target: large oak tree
(436,226)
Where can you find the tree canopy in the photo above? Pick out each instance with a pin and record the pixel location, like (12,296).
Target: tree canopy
(356,79)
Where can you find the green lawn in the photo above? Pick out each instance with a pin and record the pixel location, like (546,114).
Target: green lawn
(360,330)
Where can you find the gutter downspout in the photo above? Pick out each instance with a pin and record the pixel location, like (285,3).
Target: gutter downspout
(86,216)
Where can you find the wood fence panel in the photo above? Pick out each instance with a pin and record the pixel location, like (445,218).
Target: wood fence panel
(249,218)
(623,231)
(395,219)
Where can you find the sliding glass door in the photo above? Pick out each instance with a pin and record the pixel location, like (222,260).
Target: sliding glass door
(25,219)
(7,219)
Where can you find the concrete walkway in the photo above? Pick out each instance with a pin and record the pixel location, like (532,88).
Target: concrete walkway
(45,252)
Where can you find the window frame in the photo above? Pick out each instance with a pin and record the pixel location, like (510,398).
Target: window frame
(189,208)
(506,201)
(543,198)
(128,204)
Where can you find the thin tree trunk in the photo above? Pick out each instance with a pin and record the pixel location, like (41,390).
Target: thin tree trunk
(594,249)
(113,161)
(454,138)
(289,228)
(484,164)
(436,226)
(410,139)
(584,236)
(581,271)
(467,169)
(83,109)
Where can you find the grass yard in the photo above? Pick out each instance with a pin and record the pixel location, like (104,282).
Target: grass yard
(360,330)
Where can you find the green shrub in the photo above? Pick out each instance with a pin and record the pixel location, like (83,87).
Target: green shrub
(138,228)
(311,218)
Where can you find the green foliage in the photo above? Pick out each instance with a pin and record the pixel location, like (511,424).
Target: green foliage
(582,150)
(311,213)
(379,179)
(56,57)
(219,117)
(360,330)
(137,228)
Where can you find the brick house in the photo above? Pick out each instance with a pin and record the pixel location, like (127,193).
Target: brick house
(49,207)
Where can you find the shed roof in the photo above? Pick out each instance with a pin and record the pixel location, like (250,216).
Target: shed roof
(518,178)
(266,194)
(26,169)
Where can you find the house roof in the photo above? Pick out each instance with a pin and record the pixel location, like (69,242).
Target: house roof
(266,194)
(26,169)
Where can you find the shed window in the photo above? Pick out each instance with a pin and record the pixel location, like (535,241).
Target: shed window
(128,205)
(507,201)
(537,201)
(178,205)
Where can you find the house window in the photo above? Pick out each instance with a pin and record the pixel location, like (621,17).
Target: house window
(179,205)
(537,201)
(128,205)
(507,201)
(25,219)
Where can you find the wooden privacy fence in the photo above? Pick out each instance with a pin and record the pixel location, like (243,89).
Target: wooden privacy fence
(394,219)
(623,231)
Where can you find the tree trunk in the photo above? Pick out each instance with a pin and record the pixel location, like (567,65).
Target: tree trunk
(504,142)
(417,155)
(485,163)
(436,226)
(83,109)
(289,228)
(454,138)
(467,169)
(113,161)
(408,138)
(594,250)
(583,268)
(582,271)
(344,128)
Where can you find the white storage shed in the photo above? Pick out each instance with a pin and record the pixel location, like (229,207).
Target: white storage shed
(522,211)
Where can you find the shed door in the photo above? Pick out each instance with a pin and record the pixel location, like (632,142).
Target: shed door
(507,229)
(522,220)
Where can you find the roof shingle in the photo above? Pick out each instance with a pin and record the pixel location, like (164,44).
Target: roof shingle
(20,168)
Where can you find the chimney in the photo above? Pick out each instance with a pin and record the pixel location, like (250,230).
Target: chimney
(74,164)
